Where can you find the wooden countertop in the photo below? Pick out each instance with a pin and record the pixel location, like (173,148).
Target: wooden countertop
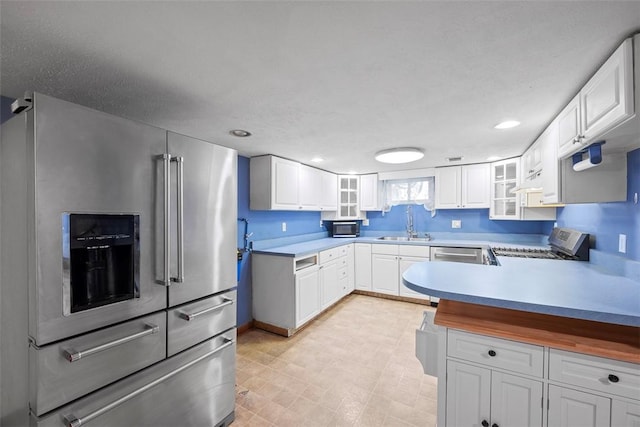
(618,342)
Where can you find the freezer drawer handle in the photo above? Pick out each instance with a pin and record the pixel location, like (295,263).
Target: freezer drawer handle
(191,316)
(71,420)
(73,355)
(180,217)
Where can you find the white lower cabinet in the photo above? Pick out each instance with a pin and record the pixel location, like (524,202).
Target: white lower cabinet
(572,408)
(496,382)
(384,269)
(307,295)
(329,292)
(478,396)
(363,266)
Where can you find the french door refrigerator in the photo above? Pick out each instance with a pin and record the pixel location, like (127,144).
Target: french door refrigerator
(117,272)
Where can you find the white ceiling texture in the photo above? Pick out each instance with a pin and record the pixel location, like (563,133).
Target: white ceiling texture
(341,80)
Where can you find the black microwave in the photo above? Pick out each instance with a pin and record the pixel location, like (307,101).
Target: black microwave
(345,229)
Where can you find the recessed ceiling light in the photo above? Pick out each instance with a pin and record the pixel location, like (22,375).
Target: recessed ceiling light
(508,124)
(493,158)
(399,155)
(455,159)
(240,133)
(317,159)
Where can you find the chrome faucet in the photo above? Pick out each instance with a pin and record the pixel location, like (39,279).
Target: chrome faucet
(410,230)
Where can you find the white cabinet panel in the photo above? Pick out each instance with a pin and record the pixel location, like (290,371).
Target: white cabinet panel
(329,291)
(569,128)
(328,200)
(448,188)
(307,295)
(476,187)
(404,263)
(385,273)
(515,401)
(468,395)
(572,408)
(505,177)
(625,414)
(309,185)
(363,266)
(285,184)
(550,165)
(369,200)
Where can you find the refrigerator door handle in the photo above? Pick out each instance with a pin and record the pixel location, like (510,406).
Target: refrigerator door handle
(191,316)
(166,159)
(180,217)
(72,420)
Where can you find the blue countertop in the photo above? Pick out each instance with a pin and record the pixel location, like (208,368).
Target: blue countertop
(574,289)
(563,288)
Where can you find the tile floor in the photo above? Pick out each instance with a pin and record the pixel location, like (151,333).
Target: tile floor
(355,365)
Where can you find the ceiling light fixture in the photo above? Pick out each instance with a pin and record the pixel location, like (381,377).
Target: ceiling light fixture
(399,155)
(240,133)
(507,124)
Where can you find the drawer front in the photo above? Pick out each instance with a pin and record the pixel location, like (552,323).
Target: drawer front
(342,262)
(342,272)
(495,352)
(69,369)
(417,251)
(202,379)
(192,323)
(331,254)
(384,249)
(597,373)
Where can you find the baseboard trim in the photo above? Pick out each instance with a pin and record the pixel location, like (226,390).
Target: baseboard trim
(246,327)
(392,297)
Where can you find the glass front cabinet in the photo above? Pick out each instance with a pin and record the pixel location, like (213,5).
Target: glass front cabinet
(348,191)
(504,179)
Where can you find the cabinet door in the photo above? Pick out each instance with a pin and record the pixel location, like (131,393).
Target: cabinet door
(404,263)
(572,408)
(309,188)
(369,192)
(363,266)
(550,165)
(607,99)
(307,295)
(448,187)
(284,185)
(625,414)
(328,191)
(468,395)
(329,284)
(476,187)
(515,401)
(385,274)
(348,195)
(504,178)
(569,129)
(351,274)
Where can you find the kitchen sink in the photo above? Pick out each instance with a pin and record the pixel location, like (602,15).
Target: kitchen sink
(405,238)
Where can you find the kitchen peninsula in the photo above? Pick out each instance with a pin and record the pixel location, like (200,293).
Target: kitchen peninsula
(516,335)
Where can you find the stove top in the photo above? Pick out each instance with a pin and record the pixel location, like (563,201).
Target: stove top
(526,253)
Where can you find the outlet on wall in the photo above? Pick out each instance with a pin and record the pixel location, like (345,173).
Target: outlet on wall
(456,223)
(622,243)
(284,226)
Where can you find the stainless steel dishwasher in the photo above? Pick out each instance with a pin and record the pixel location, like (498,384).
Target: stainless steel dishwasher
(452,254)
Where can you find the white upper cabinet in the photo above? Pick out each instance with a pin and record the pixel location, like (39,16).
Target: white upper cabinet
(504,178)
(531,170)
(550,164)
(369,200)
(463,187)
(328,191)
(281,184)
(309,185)
(603,103)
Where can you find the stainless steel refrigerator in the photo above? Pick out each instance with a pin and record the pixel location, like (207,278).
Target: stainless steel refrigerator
(118,272)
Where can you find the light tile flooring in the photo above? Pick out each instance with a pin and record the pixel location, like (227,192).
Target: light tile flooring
(355,365)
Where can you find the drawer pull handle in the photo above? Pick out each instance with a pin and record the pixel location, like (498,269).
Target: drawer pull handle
(485,423)
(73,421)
(613,378)
(73,355)
(191,316)
(492,353)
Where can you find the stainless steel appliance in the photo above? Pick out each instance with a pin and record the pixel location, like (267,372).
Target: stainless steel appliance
(565,244)
(460,254)
(118,272)
(345,229)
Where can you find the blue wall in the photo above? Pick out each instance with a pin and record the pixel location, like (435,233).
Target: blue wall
(607,220)
(473,221)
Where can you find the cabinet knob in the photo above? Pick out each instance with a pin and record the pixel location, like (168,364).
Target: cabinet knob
(485,423)
(492,353)
(494,425)
(613,378)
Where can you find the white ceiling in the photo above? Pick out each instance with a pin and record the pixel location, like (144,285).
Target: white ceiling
(340,80)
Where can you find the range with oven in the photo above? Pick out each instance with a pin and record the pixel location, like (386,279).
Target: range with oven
(118,272)
(564,244)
